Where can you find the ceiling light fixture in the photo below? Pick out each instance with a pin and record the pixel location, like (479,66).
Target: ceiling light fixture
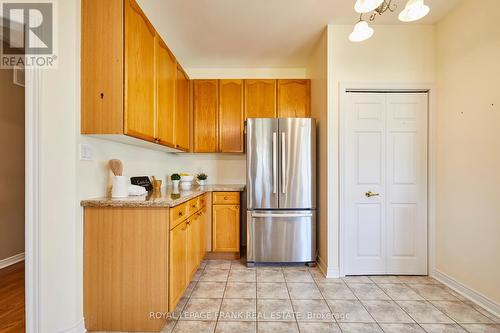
(413,11)
(362,31)
(366,6)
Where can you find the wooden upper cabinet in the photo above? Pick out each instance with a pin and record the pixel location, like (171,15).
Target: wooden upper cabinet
(102,76)
(231,119)
(260,99)
(128,84)
(205,106)
(182,112)
(139,73)
(166,71)
(294,98)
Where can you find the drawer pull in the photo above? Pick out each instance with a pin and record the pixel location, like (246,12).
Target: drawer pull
(226,198)
(193,206)
(180,214)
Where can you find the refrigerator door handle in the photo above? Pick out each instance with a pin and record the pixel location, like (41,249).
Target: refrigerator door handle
(275,164)
(281,215)
(283,163)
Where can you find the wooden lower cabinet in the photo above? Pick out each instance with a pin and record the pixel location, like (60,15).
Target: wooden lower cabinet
(178,267)
(187,250)
(125,275)
(226,223)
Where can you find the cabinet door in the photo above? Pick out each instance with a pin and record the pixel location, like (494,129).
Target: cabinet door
(293,98)
(202,235)
(139,74)
(260,99)
(178,257)
(205,116)
(166,70)
(226,228)
(182,111)
(192,246)
(102,67)
(231,122)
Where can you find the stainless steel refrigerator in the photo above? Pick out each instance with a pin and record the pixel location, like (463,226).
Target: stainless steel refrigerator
(281,190)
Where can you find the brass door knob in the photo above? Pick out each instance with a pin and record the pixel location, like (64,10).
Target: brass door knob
(370,194)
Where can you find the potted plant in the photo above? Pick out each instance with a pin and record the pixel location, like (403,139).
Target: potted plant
(175,179)
(202,179)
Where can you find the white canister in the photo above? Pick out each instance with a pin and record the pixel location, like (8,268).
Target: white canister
(120,187)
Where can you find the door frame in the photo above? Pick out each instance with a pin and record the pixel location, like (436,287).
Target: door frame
(409,87)
(32,200)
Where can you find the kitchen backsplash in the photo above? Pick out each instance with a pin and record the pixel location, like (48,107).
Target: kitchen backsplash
(94,176)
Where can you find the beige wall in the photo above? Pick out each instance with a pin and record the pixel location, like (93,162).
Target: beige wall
(394,55)
(317,72)
(12,166)
(468,147)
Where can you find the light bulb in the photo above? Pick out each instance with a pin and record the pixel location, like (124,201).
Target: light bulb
(414,10)
(366,6)
(362,31)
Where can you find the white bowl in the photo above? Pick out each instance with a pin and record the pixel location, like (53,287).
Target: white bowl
(187,178)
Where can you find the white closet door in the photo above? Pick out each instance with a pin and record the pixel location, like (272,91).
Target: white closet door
(385,153)
(365,165)
(406,191)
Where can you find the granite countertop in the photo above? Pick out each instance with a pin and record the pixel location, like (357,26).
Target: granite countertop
(166,198)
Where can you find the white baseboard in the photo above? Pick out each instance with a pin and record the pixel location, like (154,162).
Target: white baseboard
(77,328)
(467,292)
(11,260)
(328,271)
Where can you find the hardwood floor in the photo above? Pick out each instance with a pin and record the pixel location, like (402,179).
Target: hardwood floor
(12,299)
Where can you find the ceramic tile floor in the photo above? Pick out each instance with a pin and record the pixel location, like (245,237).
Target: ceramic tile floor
(226,296)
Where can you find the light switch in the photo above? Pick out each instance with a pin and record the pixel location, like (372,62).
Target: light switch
(85,152)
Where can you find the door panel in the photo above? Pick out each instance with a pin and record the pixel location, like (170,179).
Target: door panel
(226,228)
(139,74)
(364,167)
(297,137)
(262,163)
(231,122)
(182,111)
(166,68)
(177,271)
(407,183)
(385,152)
(293,98)
(205,116)
(284,236)
(260,99)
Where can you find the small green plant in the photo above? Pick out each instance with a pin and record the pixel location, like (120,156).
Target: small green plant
(175,176)
(202,176)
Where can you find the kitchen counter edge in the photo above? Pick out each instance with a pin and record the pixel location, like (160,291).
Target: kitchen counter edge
(166,198)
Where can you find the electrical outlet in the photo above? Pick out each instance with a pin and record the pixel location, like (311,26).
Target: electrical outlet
(85,152)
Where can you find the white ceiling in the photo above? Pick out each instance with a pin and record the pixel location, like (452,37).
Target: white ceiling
(257,33)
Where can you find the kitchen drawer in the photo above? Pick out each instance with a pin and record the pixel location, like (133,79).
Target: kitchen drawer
(226,198)
(178,214)
(202,201)
(193,206)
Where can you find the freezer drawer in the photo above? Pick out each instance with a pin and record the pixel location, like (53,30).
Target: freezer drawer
(284,236)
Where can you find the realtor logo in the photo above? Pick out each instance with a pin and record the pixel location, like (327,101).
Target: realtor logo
(27,34)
